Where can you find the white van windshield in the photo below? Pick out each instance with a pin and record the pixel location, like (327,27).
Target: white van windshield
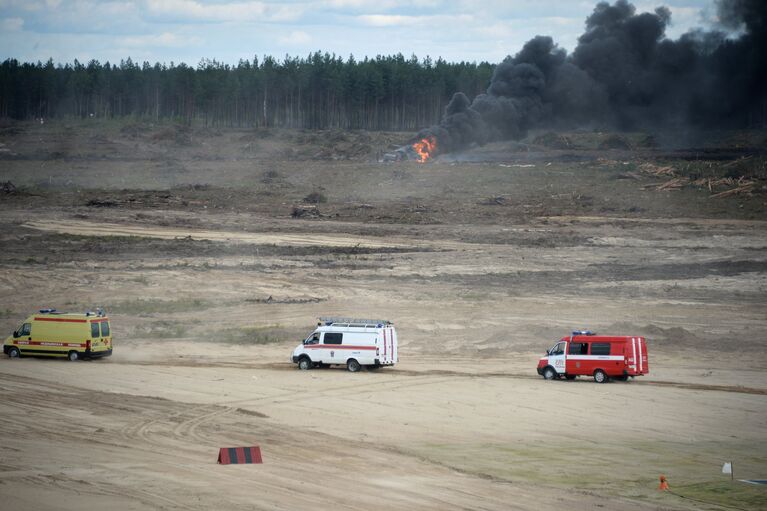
(557,349)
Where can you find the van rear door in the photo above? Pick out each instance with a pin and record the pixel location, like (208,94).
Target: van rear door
(388,353)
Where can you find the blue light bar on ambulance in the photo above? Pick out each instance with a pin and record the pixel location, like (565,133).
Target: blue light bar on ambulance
(583,332)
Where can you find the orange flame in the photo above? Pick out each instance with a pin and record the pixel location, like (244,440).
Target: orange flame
(425,148)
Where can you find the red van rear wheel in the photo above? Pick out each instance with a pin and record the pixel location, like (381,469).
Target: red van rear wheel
(600,376)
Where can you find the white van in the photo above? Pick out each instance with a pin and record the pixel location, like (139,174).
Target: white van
(350,341)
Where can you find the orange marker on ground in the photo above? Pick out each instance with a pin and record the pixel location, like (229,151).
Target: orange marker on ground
(663,483)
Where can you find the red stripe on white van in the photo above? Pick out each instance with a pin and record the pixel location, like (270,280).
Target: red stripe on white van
(338,347)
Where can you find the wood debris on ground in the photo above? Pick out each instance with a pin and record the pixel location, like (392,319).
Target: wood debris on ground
(744,188)
(655,170)
(672,184)
(737,186)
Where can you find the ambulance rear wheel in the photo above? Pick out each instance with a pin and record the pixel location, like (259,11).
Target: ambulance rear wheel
(14,352)
(353,366)
(304,364)
(549,373)
(600,376)
(73,355)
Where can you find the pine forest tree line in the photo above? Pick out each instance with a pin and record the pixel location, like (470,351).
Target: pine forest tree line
(317,92)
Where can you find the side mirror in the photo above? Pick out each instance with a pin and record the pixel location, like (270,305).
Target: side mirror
(15,334)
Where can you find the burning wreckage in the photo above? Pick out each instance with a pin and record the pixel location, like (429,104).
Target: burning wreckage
(420,151)
(624,73)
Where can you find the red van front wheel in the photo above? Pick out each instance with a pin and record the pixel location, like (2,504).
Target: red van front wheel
(549,373)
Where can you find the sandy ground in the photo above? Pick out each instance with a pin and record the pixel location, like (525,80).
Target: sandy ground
(210,288)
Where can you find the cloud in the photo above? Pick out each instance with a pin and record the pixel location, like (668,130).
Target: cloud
(11,24)
(179,11)
(164,40)
(401,20)
(389,20)
(296,38)
(380,5)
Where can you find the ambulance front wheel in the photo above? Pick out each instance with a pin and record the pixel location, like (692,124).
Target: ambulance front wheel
(353,366)
(600,376)
(304,364)
(14,352)
(549,373)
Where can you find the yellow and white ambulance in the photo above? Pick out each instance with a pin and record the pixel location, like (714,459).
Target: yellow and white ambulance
(60,334)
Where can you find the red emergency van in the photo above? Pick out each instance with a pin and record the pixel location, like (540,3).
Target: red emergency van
(602,356)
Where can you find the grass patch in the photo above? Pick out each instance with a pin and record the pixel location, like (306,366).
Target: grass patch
(585,467)
(161,330)
(728,494)
(146,307)
(267,334)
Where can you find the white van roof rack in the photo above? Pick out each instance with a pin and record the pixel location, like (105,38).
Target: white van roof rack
(328,320)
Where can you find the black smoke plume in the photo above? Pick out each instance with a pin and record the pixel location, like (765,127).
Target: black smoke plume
(624,73)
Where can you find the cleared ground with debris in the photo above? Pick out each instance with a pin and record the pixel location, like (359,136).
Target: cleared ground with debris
(215,251)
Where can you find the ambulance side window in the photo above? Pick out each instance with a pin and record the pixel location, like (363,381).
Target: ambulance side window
(95,330)
(333,338)
(599,348)
(578,348)
(105,329)
(26,329)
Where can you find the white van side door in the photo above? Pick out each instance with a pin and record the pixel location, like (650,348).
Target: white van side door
(331,352)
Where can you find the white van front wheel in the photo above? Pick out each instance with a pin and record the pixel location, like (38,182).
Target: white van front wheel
(353,366)
(304,364)
(73,355)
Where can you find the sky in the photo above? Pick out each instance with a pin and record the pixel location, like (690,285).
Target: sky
(188,31)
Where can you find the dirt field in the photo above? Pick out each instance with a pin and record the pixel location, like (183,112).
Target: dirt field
(214,251)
